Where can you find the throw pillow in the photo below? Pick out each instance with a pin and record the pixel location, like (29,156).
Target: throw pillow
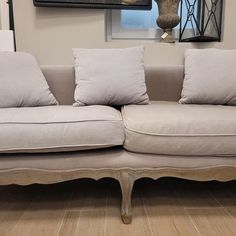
(210,77)
(22,83)
(110,77)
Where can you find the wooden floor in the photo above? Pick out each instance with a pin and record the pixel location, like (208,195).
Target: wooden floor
(166,207)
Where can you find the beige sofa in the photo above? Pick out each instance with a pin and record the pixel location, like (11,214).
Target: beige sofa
(160,139)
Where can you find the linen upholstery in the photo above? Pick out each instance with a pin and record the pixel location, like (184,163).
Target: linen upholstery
(61,80)
(164,82)
(114,158)
(59,128)
(175,129)
(22,82)
(210,77)
(110,76)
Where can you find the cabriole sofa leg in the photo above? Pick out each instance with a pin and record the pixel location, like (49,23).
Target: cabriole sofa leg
(126,184)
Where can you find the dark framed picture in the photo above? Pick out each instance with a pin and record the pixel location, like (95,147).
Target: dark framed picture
(104,4)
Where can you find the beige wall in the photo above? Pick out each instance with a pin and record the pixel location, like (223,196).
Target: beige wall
(4,18)
(51,33)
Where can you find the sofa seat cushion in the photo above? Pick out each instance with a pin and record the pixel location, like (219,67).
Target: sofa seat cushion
(170,128)
(59,128)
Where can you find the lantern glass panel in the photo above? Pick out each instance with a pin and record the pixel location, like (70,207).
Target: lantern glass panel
(200,20)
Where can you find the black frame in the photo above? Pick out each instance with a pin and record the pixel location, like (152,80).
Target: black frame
(11,21)
(201,22)
(92,4)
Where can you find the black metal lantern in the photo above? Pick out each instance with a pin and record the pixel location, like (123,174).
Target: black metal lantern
(200,20)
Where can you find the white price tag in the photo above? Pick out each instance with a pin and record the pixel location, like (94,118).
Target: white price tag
(164,35)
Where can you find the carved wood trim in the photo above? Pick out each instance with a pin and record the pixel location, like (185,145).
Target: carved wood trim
(125,176)
(126,181)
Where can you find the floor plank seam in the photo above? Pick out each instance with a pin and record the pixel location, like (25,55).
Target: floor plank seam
(186,211)
(78,222)
(145,211)
(192,221)
(225,210)
(62,221)
(105,221)
(84,210)
(204,208)
(65,213)
(27,208)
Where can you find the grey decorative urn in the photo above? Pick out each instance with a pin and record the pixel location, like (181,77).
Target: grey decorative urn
(168,18)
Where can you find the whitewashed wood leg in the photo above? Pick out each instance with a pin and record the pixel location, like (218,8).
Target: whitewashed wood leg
(126,184)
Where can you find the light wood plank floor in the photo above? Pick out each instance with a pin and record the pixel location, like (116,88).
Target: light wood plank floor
(166,207)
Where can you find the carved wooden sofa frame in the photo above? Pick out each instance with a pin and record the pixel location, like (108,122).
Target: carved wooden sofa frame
(126,167)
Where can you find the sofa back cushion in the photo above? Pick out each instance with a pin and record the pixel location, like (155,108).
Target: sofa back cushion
(164,82)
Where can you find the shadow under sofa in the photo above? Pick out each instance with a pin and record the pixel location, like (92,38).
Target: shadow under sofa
(140,157)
